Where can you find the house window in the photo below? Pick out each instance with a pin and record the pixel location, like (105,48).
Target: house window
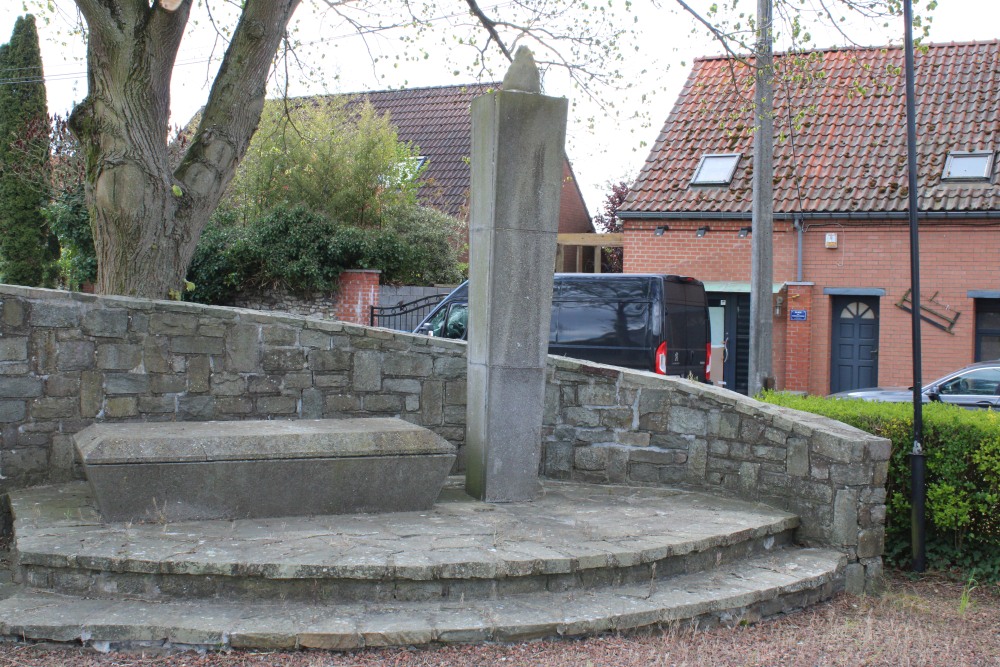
(968,166)
(857,309)
(987,329)
(716,169)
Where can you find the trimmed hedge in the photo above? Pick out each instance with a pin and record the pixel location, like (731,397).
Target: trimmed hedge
(963,477)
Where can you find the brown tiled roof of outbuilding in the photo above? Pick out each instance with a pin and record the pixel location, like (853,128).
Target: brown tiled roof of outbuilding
(439,121)
(846,150)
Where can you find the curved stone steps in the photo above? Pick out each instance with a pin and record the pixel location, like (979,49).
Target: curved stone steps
(576,537)
(785,580)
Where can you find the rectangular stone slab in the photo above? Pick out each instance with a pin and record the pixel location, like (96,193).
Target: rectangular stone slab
(180,471)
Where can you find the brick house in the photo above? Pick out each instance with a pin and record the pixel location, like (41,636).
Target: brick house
(438,120)
(841,236)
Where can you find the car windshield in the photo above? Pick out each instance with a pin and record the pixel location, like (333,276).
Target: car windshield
(978,382)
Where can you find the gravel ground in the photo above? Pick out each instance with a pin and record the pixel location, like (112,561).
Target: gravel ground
(915,623)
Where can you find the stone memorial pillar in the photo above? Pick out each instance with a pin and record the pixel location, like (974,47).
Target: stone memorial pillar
(518,138)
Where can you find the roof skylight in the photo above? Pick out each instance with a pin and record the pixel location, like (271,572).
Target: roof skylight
(968,166)
(716,169)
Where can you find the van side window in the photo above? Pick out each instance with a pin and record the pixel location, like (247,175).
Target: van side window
(435,325)
(615,323)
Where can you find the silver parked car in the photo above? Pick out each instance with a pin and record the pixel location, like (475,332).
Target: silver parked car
(974,387)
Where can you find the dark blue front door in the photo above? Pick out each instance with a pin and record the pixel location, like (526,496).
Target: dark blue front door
(732,331)
(854,346)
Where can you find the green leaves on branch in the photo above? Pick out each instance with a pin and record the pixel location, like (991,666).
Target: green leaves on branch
(69,220)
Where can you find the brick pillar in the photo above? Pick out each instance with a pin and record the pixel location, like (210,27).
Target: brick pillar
(798,336)
(358,292)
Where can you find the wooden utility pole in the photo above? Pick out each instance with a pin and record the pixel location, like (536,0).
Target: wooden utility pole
(762,264)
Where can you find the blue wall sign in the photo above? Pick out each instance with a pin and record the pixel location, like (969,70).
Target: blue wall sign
(797,315)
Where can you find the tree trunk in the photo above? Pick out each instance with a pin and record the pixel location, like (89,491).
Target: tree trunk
(146,220)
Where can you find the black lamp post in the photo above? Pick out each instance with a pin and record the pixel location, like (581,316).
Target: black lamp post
(918,463)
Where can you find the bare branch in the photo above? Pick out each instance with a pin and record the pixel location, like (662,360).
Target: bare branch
(491,27)
(164,34)
(723,38)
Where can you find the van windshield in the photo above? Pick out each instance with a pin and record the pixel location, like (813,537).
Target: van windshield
(450,322)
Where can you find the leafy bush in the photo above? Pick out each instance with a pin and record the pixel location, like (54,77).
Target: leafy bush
(305,252)
(337,156)
(432,240)
(217,271)
(963,477)
(69,220)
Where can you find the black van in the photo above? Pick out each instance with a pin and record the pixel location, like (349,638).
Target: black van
(654,323)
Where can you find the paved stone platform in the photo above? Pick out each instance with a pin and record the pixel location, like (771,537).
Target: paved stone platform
(581,559)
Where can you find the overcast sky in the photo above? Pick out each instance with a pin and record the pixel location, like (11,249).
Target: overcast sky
(608,150)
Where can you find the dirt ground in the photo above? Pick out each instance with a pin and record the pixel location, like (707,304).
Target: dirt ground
(930,621)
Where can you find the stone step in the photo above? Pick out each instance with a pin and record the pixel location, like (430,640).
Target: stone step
(781,581)
(576,537)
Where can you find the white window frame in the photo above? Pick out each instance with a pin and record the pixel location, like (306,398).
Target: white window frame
(987,168)
(708,156)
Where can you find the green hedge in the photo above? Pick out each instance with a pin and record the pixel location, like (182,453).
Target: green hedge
(963,470)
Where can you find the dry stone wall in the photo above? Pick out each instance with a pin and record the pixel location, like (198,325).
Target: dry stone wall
(282,301)
(357,292)
(614,426)
(69,359)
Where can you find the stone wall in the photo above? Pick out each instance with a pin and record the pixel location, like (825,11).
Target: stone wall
(281,301)
(69,359)
(610,425)
(359,290)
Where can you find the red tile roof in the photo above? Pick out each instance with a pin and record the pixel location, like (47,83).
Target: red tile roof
(438,120)
(847,149)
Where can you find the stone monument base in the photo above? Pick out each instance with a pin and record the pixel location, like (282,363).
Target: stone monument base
(180,471)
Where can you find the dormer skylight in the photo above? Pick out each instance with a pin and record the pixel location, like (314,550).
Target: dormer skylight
(968,166)
(716,169)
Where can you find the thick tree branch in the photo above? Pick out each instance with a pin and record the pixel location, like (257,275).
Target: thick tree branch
(236,99)
(491,27)
(106,18)
(164,33)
